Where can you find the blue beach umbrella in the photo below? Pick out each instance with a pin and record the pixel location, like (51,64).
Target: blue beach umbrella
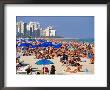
(29,44)
(41,40)
(49,43)
(23,45)
(44,62)
(90,55)
(34,46)
(57,45)
(43,45)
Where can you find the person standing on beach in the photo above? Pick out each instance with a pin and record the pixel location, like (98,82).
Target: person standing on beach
(45,70)
(52,71)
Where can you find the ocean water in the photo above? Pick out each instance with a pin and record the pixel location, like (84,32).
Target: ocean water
(87,40)
(80,40)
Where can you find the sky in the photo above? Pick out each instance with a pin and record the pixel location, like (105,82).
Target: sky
(67,26)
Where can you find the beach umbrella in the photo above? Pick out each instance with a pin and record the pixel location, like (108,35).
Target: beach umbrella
(29,44)
(34,46)
(49,43)
(90,55)
(42,45)
(44,62)
(45,44)
(41,40)
(23,45)
(57,45)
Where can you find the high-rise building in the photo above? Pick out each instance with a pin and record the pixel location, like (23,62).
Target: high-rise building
(53,33)
(25,29)
(41,32)
(49,31)
(37,32)
(33,28)
(20,28)
(33,25)
(31,31)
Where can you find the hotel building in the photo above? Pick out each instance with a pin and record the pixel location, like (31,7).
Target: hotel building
(34,30)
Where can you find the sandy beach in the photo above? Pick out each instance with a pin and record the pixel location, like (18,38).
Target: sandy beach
(60,70)
(54,56)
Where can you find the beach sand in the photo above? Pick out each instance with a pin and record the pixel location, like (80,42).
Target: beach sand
(87,68)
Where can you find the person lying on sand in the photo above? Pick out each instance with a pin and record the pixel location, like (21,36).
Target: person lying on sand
(76,69)
(68,69)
